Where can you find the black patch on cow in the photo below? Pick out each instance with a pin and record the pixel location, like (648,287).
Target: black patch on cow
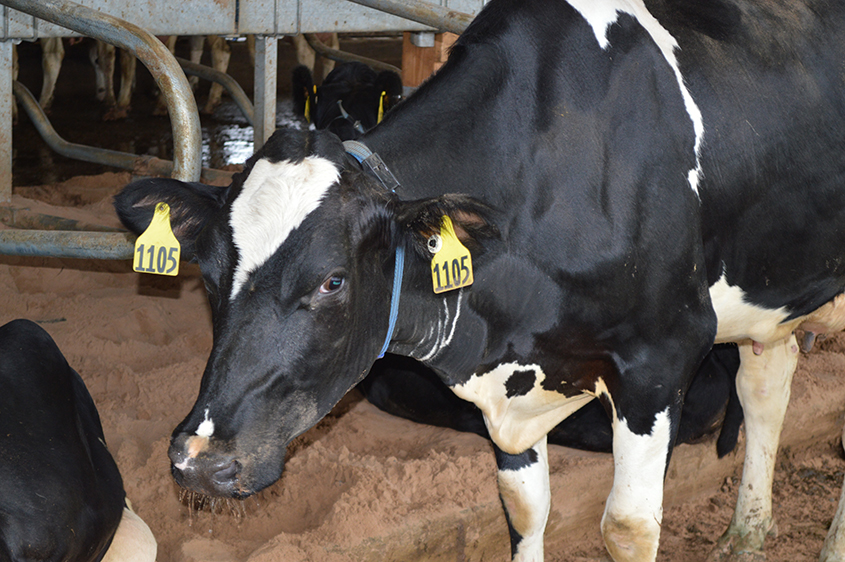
(506,461)
(516,538)
(520,383)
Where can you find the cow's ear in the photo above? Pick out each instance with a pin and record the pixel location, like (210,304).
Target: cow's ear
(302,91)
(472,220)
(191,206)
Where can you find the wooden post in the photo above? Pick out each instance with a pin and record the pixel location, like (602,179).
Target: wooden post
(418,63)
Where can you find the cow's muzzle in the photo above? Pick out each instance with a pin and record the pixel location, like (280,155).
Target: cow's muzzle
(197,467)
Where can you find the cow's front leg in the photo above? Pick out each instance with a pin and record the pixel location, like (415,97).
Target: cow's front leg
(642,443)
(524,491)
(763,385)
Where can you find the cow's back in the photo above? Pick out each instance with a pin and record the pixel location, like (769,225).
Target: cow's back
(768,79)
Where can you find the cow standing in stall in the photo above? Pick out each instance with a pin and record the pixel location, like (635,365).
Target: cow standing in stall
(62,493)
(634,180)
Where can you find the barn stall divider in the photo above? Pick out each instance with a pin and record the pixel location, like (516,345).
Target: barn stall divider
(134,26)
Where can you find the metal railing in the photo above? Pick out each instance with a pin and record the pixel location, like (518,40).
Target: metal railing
(181,105)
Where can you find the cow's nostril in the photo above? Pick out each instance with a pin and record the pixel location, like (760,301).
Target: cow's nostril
(227,473)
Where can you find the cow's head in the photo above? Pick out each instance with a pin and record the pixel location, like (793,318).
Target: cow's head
(297,256)
(350,99)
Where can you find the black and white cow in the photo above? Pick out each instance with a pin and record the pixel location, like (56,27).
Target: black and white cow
(351,100)
(62,493)
(635,181)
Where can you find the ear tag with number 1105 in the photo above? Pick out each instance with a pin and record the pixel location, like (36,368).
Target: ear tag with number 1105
(451,266)
(157,250)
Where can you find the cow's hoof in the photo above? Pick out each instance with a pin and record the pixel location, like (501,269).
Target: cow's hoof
(732,547)
(726,553)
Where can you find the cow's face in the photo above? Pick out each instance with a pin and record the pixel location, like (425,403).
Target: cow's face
(297,258)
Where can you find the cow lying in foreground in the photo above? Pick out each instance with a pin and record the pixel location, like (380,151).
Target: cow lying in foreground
(63,496)
(633,183)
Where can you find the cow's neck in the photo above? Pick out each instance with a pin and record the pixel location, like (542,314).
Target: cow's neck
(440,140)
(441,331)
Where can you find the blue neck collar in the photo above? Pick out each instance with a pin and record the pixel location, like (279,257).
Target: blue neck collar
(371,161)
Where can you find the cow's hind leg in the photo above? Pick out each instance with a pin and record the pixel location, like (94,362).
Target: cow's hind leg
(123,105)
(524,491)
(53,52)
(763,385)
(102,56)
(220,54)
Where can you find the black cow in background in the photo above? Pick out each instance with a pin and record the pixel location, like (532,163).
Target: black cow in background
(62,493)
(350,101)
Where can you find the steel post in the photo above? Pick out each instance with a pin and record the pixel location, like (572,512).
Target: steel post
(436,16)
(6,104)
(266,64)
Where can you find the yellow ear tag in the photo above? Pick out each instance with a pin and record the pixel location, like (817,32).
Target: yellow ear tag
(451,266)
(157,250)
(381,106)
(307,106)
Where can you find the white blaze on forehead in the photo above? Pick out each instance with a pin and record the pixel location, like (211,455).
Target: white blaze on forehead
(600,15)
(275,199)
(206,428)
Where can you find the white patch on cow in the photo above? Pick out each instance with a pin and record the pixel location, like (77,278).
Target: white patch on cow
(600,15)
(739,319)
(527,497)
(275,199)
(133,541)
(206,428)
(445,329)
(634,509)
(516,423)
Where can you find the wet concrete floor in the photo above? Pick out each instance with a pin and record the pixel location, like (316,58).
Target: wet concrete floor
(77,115)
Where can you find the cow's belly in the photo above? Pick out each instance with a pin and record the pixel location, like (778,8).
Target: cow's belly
(739,320)
(518,411)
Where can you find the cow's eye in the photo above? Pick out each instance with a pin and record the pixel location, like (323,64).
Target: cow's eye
(331,285)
